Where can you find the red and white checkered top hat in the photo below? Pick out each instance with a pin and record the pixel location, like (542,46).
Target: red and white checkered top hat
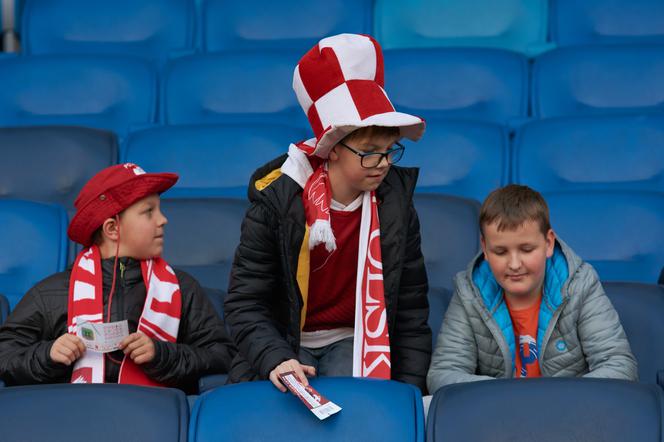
(339,84)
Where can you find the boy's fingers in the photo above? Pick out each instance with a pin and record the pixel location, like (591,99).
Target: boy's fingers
(133,345)
(72,348)
(301,376)
(129,339)
(277,383)
(309,370)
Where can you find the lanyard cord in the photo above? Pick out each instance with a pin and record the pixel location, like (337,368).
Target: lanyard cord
(110,295)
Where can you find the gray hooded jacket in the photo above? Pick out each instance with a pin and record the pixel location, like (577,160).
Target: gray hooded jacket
(579,332)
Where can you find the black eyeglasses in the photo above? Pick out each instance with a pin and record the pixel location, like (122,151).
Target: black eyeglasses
(369,160)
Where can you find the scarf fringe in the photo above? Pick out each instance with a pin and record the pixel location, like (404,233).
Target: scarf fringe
(321,233)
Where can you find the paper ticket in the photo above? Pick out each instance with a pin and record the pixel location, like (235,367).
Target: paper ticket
(316,402)
(102,337)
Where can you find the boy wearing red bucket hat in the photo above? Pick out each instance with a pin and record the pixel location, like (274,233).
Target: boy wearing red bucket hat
(175,334)
(329,278)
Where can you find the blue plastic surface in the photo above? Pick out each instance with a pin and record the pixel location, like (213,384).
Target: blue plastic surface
(373,410)
(34,245)
(605,79)
(287,24)
(604,152)
(517,25)
(478,84)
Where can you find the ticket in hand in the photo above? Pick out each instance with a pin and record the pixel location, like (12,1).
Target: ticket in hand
(316,402)
(102,337)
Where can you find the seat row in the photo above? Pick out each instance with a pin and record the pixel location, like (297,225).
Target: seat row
(203,234)
(491,85)
(462,158)
(151,28)
(372,410)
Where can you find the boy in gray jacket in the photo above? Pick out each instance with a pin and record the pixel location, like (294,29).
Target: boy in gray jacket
(527,306)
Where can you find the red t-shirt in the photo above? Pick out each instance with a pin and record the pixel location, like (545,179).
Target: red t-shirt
(332,275)
(525,322)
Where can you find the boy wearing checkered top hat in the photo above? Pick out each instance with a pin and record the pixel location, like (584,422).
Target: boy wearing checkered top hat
(329,278)
(175,334)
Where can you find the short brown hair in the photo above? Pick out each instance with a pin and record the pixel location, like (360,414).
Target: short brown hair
(513,205)
(373,131)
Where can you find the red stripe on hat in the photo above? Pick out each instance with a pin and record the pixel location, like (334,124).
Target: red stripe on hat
(380,70)
(314,121)
(320,72)
(369,98)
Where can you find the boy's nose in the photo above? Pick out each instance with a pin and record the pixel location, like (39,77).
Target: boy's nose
(514,262)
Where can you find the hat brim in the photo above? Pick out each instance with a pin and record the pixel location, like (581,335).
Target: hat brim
(410,126)
(90,217)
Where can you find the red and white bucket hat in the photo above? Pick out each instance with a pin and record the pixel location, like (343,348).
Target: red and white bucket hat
(111,191)
(339,84)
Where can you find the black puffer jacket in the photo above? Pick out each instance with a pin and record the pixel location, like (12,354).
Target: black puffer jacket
(264,302)
(41,317)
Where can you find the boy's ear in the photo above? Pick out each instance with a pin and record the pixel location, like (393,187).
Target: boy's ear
(483,244)
(109,230)
(334,156)
(550,242)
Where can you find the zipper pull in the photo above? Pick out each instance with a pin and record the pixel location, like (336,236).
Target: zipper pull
(122,270)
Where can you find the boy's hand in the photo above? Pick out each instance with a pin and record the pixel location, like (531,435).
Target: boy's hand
(138,347)
(67,349)
(302,371)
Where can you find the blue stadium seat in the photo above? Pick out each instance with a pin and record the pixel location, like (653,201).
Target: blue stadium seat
(201,236)
(479,84)
(105,413)
(517,25)
(4,308)
(450,235)
(290,24)
(606,152)
(33,245)
(547,410)
(372,410)
(621,233)
(251,86)
(607,21)
(212,381)
(439,300)
(211,160)
(641,309)
(29,156)
(462,158)
(598,80)
(145,28)
(106,92)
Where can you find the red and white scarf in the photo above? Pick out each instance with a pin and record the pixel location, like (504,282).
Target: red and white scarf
(160,319)
(371,345)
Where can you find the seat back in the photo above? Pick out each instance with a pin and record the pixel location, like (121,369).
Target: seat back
(558,409)
(33,242)
(620,233)
(146,28)
(202,235)
(107,92)
(109,412)
(249,87)
(470,83)
(463,158)
(289,24)
(211,160)
(598,80)
(641,309)
(450,235)
(377,410)
(517,25)
(30,153)
(606,152)
(607,21)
